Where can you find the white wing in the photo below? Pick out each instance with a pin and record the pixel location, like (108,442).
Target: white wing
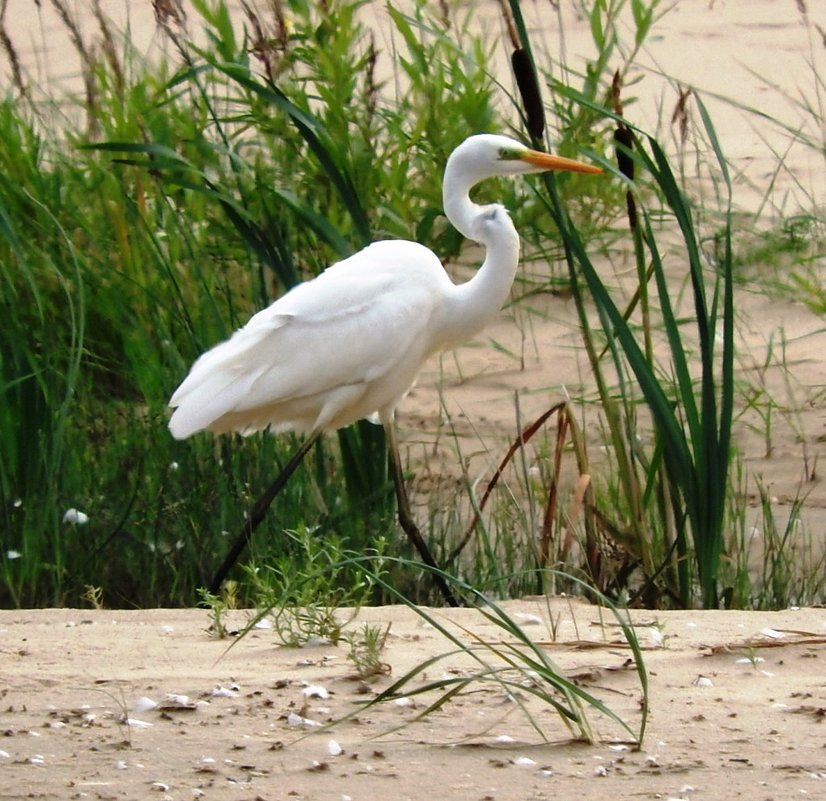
(329,352)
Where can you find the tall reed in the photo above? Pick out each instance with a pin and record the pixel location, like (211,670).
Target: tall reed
(681,486)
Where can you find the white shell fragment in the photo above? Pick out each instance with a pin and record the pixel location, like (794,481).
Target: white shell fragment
(175,701)
(334,749)
(703,681)
(144,704)
(224,692)
(296,720)
(134,723)
(315,691)
(524,761)
(315,641)
(772,634)
(75,517)
(527,619)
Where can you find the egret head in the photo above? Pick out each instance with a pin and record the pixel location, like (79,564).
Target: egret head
(487,155)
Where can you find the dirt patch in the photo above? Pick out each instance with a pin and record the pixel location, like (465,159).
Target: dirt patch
(751,727)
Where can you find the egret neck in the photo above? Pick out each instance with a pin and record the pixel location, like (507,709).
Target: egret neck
(476,302)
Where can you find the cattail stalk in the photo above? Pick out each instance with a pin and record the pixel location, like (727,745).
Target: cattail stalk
(528,87)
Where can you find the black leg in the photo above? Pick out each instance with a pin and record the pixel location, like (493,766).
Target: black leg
(406,518)
(257,514)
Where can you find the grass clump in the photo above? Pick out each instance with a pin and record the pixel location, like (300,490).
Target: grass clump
(365,650)
(305,606)
(513,663)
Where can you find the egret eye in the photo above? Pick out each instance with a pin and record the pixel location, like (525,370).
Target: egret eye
(509,154)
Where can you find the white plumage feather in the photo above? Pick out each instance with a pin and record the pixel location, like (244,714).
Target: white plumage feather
(333,350)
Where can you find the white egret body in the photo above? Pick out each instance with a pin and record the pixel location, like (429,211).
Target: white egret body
(349,343)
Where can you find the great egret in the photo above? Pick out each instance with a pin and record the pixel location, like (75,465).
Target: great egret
(349,343)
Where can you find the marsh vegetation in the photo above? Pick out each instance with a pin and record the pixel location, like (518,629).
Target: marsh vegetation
(147,213)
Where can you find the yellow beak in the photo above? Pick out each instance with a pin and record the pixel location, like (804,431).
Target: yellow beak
(547,161)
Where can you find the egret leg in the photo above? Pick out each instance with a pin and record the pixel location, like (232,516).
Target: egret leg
(258,512)
(406,518)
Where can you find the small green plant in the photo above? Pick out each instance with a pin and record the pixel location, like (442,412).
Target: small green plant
(313,603)
(122,717)
(218,606)
(778,561)
(365,650)
(783,258)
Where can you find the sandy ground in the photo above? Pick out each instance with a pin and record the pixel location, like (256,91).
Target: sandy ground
(756,731)
(738,702)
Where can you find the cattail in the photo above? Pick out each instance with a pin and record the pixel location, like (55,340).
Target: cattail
(624,145)
(371,88)
(444,12)
(528,87)
(624,141)
(510,25)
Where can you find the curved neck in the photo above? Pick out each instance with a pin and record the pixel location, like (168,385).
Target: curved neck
(478,301)
(459,179)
